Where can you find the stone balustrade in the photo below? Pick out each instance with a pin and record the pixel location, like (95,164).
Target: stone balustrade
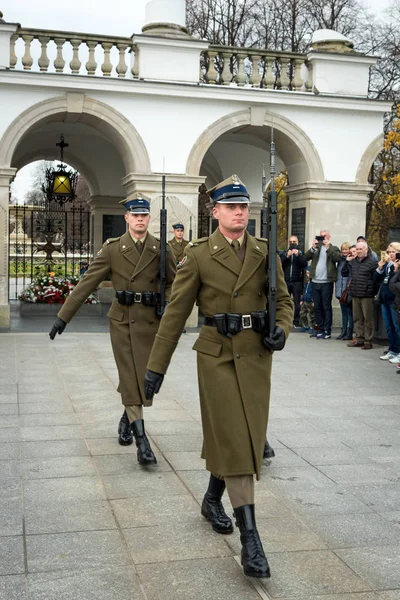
(73,53)
(254,67)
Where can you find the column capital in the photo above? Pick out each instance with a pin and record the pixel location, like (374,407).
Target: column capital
(329,191)
(6,176)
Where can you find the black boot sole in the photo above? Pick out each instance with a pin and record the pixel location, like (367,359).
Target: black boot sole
(221,531)
(252,573)
(123,443)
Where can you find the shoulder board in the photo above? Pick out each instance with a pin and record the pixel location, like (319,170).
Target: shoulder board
(197,242)
(111,240)
(261,239)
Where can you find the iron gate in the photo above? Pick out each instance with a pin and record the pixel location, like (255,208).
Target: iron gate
(43,240)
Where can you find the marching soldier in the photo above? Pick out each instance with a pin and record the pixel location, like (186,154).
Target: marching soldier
(133,263)
(178,244)
(226,275)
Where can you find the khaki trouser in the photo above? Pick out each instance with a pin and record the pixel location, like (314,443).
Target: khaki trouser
(240,489)
(363,316)
(134,412)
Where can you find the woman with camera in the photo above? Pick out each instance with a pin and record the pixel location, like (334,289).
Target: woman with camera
(383,275)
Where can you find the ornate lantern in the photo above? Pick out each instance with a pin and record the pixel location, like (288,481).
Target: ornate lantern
(61,182)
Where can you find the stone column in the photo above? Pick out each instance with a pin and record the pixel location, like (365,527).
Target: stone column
(6,174)
(339,207)
(164,16)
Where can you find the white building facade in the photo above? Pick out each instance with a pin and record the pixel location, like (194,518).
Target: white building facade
(132,109)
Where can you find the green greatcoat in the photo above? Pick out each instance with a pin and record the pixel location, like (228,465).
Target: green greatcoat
(234,373)
(132,328)
(178,249)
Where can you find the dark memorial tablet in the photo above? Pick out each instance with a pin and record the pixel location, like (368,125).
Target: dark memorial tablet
(113,226)
(299,225)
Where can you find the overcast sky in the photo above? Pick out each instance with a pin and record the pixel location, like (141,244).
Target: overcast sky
(95,16)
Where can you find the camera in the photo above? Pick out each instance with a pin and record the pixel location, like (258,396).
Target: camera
(293,247)
(397,255)
(320,238)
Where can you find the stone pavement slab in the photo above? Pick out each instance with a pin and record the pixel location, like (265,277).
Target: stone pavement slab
(80,518)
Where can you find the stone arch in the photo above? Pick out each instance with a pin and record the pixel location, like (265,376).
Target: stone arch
(299,141)
(80,108)
(368,158)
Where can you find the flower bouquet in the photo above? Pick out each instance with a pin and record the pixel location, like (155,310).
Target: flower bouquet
(51,289)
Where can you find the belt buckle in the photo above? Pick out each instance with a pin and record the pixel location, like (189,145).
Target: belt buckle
(246,322)
(137,297)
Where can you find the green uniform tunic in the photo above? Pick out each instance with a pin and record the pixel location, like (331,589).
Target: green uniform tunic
(233,373)
(132,328)
(178,248)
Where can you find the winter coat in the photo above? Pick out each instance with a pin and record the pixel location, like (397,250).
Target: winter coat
(293,266)
(333,256)
(308,292)
(386,296)
(362,276)
(394,286)
(341,280)
(132,328)
(234,373)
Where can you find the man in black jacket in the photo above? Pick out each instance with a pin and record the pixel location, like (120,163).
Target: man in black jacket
(363,289)
(293,264)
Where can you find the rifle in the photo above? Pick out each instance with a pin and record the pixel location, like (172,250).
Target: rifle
(163,252)
(269,227)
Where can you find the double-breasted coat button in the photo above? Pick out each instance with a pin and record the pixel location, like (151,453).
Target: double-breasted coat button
(133,320)
(261,354)
(259,293)
(237,355)
(235,295)
(132,279)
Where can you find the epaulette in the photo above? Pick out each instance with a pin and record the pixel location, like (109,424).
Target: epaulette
(261,239)
(111,240)
(197,242)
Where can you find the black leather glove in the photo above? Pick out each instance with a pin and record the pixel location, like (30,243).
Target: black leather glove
(276,341)
(58,327)
(152,383)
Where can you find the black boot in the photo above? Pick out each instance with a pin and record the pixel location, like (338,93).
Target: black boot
(212,508)
(125,437)
(268,451)
(341,334)
(253,559)
(145,454)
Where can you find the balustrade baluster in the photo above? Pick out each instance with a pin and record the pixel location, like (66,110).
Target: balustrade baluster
(59,62)
(255,76)
(297,82)
(308,81)
(27,60)
(13,56)
(269,76)
(212,74)
(43,61)
(91,64)
(241,74)
(106,67)
(75,63)
(285,81)
(226,75)
(122,66)
(135,67)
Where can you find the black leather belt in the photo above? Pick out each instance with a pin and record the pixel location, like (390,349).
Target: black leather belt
(127,298)
(230,324)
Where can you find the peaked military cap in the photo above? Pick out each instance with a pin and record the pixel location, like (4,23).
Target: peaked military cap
(138,203)
(229,191)
(178,226)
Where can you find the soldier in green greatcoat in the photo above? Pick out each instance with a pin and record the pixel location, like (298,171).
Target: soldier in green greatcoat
(133,263)
(226,275)
(178,243)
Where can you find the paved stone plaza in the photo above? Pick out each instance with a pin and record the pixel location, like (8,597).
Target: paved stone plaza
(81,520)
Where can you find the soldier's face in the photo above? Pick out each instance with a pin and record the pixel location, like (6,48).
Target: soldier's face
(178,233)
(232,218)
(137,224)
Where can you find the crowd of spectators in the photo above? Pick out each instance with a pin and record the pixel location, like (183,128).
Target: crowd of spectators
(359,281)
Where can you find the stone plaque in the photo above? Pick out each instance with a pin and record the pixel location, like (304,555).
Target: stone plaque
(299,225)
(113,226)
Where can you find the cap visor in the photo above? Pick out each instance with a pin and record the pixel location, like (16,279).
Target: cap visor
(233,200)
